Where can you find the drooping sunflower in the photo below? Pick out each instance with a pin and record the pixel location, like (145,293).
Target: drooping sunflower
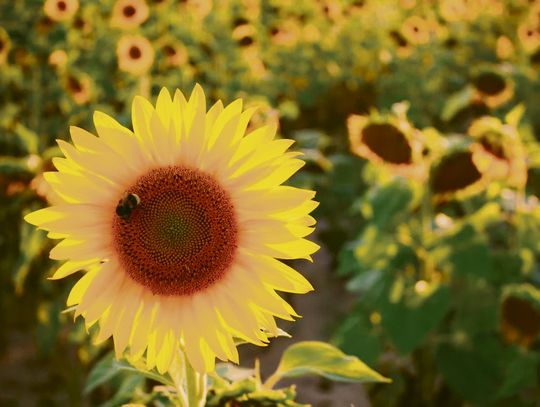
(129,14)
(60,10)
(135,54)
(79,87)
(492,87)
(520,314)
(388,140)
(499,151)
(180,224)
(457,175)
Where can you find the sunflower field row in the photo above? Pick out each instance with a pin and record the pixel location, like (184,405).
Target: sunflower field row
(419,121)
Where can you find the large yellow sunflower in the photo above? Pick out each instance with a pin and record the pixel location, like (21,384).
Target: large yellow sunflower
(180,224)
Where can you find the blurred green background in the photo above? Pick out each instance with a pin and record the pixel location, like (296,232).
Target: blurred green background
(419,120)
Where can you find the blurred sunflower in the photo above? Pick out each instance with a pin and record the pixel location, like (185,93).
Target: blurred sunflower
(389,141)
(492,87)
(244,34)
(5,46)
(529,36)
(196,8)
(60,10)
(175,54)
(498,151)
(520,314)
(404,49)
(180,224)
(58,59)
(127,14)
(407,4)
(79,87)
(416,30)
(504,47)
(456,175)
(135,54)
(285,33)
(454,10)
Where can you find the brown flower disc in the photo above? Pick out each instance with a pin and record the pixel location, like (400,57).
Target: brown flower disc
(129,11)
(182,235)
(490,83)
(522,316)
(493,147)
(387,142)
(135,52)
(456,171)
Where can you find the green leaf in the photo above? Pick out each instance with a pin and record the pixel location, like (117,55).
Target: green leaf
(125,392)
(456,102)
(28,138)
(387,205)
(356,336)
(31,245)
(108,367)
(323,359)
(102,372)
(408,321)
(484,370)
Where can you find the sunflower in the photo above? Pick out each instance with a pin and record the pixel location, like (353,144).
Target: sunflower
(416,30)
(520,314)
(135,54)
(498,151)
(454,10)
(504,47)
(60,10)
(58,59)
(5,45)
(492,88)
(389,141)
(79,87)
(244,34)
(456,175)
(175,54)
(404,49)
(127,14)
(180,225)
(529,36)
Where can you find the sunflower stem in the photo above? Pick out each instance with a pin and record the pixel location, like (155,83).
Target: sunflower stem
(272,380)
(196,386)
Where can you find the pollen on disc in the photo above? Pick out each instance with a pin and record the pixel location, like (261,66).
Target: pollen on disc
(182,236)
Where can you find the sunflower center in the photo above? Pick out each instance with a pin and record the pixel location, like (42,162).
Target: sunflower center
(135,52)
(62,6)
(492,147)
(169,50)
(129,11)
(177,233)
(521,315)
(490,83)
(74,85)
(387,142)
(455,172)
(1,45)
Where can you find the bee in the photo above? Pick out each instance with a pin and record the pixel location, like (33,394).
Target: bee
(126,205)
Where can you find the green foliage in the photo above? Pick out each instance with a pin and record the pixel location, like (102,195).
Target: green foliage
(428,273)
(325,360)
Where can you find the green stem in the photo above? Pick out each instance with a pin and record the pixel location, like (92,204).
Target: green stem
(272,380)
(196,386)
(178,378)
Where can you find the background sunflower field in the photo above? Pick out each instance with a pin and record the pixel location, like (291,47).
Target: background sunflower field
(419,121)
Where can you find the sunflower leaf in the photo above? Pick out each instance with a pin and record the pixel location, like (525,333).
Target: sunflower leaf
(323,359)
